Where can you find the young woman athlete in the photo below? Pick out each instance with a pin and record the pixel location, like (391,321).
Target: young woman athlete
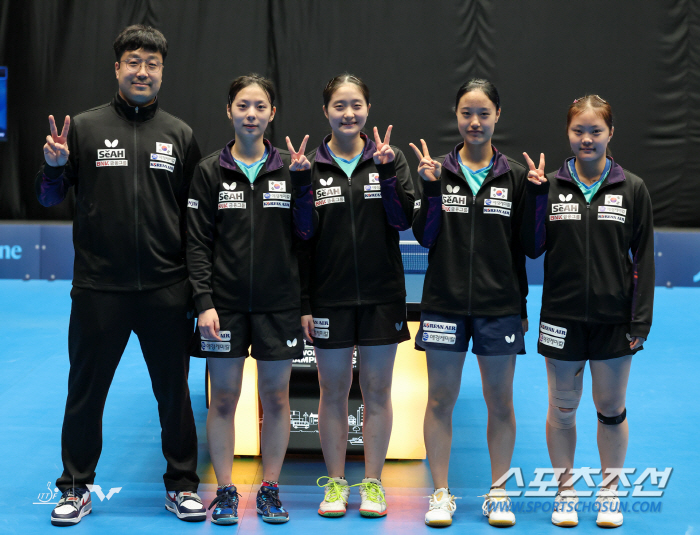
(245,213)
(363,195)
(594,220)
(475,287)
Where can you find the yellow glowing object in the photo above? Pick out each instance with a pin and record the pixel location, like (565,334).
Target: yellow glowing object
(409,397)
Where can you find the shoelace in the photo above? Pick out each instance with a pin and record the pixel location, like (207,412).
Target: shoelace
(271,497)
(334,490)
(441,504)
(608,498)
(487,508)
(226,499)
(373,491)
(71,493)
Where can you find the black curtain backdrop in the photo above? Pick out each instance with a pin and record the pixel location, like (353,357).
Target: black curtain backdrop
(643,57)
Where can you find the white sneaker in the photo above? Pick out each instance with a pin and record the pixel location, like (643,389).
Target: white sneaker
(372,494)
(496,506)
(335,499)
(442,507)
(564,513)
(608,505)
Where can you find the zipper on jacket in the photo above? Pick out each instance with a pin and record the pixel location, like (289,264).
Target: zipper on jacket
(136,207)
(354,242)
(252,244)
(471,254)
(588,258)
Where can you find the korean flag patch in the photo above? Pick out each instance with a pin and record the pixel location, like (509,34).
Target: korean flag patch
(499,193)
(613,200)
(164,148)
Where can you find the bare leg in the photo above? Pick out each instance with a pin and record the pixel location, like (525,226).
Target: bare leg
(376,372)
(444,381)
(609,390)
(335,379)
(273,387)
(226,376)
(561,443)
(497,383)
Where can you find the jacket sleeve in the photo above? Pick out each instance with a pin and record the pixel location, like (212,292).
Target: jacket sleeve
(397,191)
(304,214)
(201,226)
(428,214)
(533,232)
(52,183)
(517,252)
(192,157)
(642,248)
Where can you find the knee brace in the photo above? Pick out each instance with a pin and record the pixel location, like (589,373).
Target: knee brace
(613,420)
(564,399)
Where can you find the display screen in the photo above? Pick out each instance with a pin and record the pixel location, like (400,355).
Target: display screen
(3,103)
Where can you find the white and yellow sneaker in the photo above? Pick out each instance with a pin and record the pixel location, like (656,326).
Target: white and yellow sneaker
(608,505)
(564,512)
(442,507)
(497,507)
(372,494)
(335,499)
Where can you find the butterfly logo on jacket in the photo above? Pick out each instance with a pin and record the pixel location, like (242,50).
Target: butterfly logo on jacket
(565,198)
(327,182)
(111,144)
(450,189)
(230,187)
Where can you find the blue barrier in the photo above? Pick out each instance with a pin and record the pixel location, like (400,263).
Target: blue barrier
(45,250)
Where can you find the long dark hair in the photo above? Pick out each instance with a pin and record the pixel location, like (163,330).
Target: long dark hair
(345,78)
(482,85)
(249,79)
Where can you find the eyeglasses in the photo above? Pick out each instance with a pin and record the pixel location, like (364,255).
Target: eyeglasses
(597,97)
(134,65)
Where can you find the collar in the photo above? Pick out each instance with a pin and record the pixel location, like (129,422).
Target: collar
(500,162)
(324,156)
(616,174)
(135,114)
(273,162)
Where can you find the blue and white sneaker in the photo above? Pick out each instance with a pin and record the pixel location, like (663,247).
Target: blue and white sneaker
(226,502)
(74,504)
(186,505)
(269,505)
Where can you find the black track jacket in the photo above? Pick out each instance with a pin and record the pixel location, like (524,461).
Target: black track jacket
(241,245)
(131,168)
(476,265)
(599,265)
(354,258)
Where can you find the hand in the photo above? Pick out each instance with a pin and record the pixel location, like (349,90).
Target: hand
(428,169)
(526,325)
(307,325)
(56,147)
(384,152)
(208,323)
(636,341)
(299,161)
(536,174)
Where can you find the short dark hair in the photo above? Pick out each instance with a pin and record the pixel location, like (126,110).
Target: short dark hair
(482,85)
(249,79)
(345,78)
(140,36)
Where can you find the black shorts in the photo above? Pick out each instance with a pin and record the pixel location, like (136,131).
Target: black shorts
(563,339)
(491,335)
(270,335)
(363,325)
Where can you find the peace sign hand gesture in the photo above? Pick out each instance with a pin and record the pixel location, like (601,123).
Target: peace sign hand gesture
(56,147)
(299,161)
(384,152)
(536,174)
(428,169)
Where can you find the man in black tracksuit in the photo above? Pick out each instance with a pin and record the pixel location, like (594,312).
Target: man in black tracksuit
(130,164)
